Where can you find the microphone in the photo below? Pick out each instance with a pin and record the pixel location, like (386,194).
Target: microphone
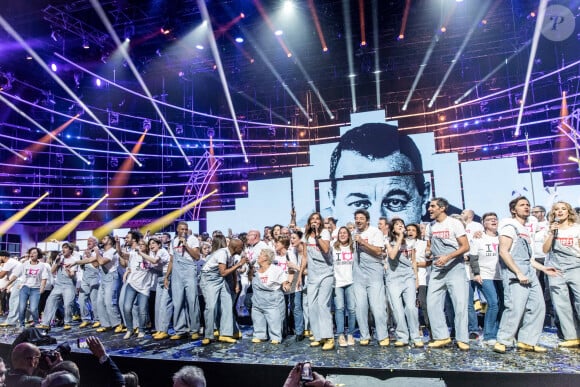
(555,233)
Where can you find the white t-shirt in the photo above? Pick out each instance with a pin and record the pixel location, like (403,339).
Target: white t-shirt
(163,256)
(471,228)
(273,277)
(486,248)
(32,275)
(13,267)
(253,252)
(518,230)
(443,236)
(113,264)
(343,259)
(420,246)
(177,248)
(221,256)
(140,277)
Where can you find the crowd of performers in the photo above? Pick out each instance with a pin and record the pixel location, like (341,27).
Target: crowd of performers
(321,282)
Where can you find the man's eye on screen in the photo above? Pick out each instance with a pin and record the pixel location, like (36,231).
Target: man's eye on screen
(364,204)
(395,204)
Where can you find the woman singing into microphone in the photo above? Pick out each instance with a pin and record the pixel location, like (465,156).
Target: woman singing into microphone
(562,241)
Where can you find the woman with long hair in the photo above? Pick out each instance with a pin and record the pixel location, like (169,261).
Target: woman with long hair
(415,241)
(563,243)
(343,253)
(401,285)
(320,281)
(33,279)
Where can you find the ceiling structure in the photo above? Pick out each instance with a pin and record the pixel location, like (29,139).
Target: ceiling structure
(275,81)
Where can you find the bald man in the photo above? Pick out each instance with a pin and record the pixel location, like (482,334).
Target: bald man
(25,357)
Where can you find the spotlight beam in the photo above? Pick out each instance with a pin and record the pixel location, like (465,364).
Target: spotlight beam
(33,122)
(535,40)
(426,58)
(493,72)
(13,152)
(166,220)
(8,223)
(375,6)
(122,219)
(97,6)
(42,64)
(313,86)
(220,68)
(350,56)
(405,18)
(65,230)
(122,176)
(455,60)
(317,25)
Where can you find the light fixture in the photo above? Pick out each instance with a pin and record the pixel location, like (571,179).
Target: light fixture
(135,191)
(86,45)
(78,192)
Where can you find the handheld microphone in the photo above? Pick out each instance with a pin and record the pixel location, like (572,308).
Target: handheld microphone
(555,234)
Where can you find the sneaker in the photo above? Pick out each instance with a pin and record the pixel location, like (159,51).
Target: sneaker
(473,336)
(307,333)
(385,342)
(66,327)
(400,344)
(237,335)
(45,327)
(255,340)
(176,336)
(499,348)
(161,336)
(76,317)
(205,341)
(490,342)
(276,342)
(5,324)
(418,343)
(364,342)
(531,348)
(227,339)
(440,343)
(84,324)
(462,346)
(315,343)
(119,329)
(328,345)
(103,329)
(342,341)
(97,324)
(128,335)
(195,336)
(350,340)
(569,343)
(140,335)
(216,333)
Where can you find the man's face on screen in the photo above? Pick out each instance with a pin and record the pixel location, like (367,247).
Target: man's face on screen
(389,196)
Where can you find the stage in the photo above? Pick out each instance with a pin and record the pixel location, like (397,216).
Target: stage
(248,364)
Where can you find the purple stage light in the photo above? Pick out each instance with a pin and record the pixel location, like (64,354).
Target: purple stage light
(98,82)
(53,67)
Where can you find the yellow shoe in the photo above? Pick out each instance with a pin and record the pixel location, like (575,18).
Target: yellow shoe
(76,317)
(315,343)
(205,341)
(275,342)
(84,324)
(97,324)
(255,340)
(400,344)
(311,338)
(176,336)
(45,327)
(328,345)
(120,329)
(440,343)
(227,339)
(66,327)
(342,341)
(462,346)
(5,324)
(417,343)
(569,343)
(364,342)
(531,348)
(103,329)
(216,333)
(384,342)
(307,333)
(161,336)
(499,348)
(237,335)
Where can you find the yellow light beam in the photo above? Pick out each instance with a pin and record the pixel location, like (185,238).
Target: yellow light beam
(8,223)
(166,220)
(122,219)
(65,230)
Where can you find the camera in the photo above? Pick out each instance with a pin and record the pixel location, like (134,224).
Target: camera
(306,373)
(52,354)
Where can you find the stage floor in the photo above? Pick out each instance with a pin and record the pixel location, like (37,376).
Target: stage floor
(480,363)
